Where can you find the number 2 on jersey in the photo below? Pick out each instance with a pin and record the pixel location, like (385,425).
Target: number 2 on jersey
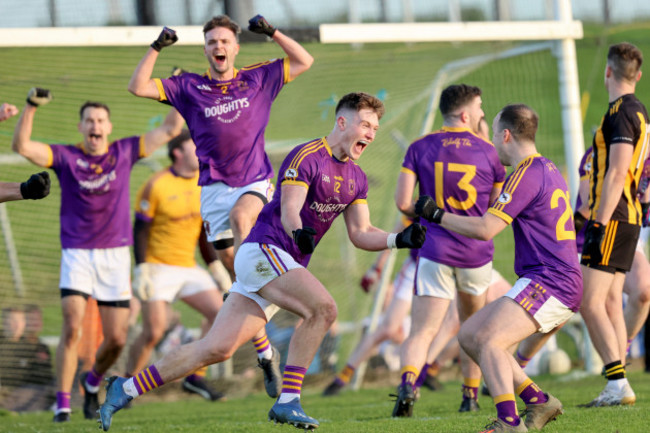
(561,233)
(464,184)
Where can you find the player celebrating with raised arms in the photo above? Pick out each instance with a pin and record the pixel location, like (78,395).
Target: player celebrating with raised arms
(318,181)
(227,110)
(95,232)
(549,289)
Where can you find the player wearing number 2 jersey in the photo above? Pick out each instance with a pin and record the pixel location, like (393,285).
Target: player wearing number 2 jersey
(462,171)
(535,201)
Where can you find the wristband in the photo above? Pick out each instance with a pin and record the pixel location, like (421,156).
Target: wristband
(391,240)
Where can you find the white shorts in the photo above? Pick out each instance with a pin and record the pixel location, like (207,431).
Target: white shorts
(545,308)
(256,265)
(218,199)
(442,281)
(404,281)
(176,282)
(104,274)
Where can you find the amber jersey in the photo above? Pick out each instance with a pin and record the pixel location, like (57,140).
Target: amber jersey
(171,203)
(626,122)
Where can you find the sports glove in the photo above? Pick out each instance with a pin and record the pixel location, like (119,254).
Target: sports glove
(177,70)
(411,237)
(304,238)
(593,238)
(166,38)
(37,96)
(258,24)
(645,214)
(370,278)
(36,187)
(142,285)
(579,221)
(427,209)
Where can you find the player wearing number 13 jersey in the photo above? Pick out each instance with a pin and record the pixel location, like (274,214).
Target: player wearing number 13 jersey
(463,174)
(535,201)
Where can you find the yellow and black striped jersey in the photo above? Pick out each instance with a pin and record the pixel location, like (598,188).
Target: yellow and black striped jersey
(626,122)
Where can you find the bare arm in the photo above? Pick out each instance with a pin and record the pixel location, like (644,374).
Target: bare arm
(35,151)
(10,191)
(141,83)
(141,230)
(361,232)
(583,193)
(483,228)
(299,59)
(620,157)
(293,197)
(170,128)
(404,193)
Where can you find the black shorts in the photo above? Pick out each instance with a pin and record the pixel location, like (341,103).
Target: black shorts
(618,247)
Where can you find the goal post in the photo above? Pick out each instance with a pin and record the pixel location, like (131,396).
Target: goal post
(560,35)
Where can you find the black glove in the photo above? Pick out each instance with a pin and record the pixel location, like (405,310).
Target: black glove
(37,96)
(258,24)
(411,237)
(177,70)
(645,214)
(578,221)
(426,208)
(36,187)
(304,238)
(166,38)
(593,238)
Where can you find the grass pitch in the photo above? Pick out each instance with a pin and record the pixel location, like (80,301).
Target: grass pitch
(365,411)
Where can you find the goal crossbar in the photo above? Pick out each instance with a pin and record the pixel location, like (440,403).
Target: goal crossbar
(450,32)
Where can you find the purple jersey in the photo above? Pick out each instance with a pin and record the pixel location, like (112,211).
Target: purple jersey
(331,185)
(585,173)
(535,199)
(227,119)
(95,208)
(458,170)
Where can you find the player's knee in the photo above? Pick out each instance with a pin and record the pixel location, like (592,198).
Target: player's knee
(328,312)
(470,339)
(217,353)
(643,294)
(153,336)
(115,341)
(71,334)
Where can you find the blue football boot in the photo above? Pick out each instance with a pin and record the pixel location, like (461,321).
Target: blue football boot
(115,400)
(292,413)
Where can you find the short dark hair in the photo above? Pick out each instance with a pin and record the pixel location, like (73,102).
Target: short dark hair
(457,96)
(93,104)
(177,143)
(521,120)
(222,21)
(625,60)
(358,101)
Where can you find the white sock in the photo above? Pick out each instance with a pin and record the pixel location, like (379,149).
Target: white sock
(267,354)
(91,389)
(617,384)
(129,388)
(286,397)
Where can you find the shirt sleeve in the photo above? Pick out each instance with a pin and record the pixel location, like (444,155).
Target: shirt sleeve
(410,161)
(585,164)
(362,194)
(520,189)
(146,201)
(300,167)
(625,127)
(271,75)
